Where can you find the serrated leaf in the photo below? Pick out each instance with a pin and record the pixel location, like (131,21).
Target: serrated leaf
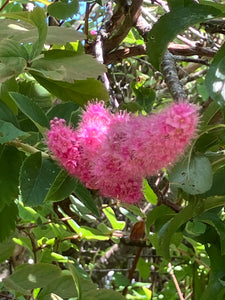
(194,177)
(63,65)
(10,162)
(36,178)
(116,225)
(29,277)
(30,109)
(158,37)
(8,132)
(215,78)
(8,217)
(61,188)
(63,10)
(80,92)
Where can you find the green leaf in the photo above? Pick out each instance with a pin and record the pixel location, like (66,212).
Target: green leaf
(11,67)
(8,217)
(80,92)
(62,187)
(63,65)
(102,294)
(62,111)
(30,109)
(149,195)
(36,178)
(89,233)
(29,277)
(215,78)
(36,18)
(39,20)
(158,37)
(62,286)
(11,48)
(194,176)
(7,115)
(143,268)
(217,274)
(212,218)
(8,132)
(6,249)
(62,35)
(63,9)
(156,213)
(190,211)
(116,225)
(6,87)
(84,195)
(144,96)
(10,161)
(81,280)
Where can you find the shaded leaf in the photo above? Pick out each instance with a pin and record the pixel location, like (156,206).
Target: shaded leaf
(62,187)
(9,132)
(10,162)
(6,249)
(36,178)
(7,115)
(30,109)
(8,218)
(29,277)
(62,286)
(84,195)
(11,67)
(63,10)
(62,111)
(194,177)
(158,37)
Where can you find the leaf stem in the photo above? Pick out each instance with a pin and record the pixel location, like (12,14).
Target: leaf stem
(27,148)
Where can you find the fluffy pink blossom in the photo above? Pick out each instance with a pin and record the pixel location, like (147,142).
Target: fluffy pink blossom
(63,143)
(113,153)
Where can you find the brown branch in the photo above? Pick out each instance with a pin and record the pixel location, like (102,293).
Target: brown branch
(175,282)
(185,50)
(4,5)
(119,55)
(131,17)
(86,18)
(171,77)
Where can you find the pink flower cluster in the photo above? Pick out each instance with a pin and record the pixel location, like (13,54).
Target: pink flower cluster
(114,152)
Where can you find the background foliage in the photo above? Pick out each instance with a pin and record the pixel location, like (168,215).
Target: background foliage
(59,240)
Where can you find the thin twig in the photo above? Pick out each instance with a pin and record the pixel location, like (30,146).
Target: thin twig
(4,5)
(175,282)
